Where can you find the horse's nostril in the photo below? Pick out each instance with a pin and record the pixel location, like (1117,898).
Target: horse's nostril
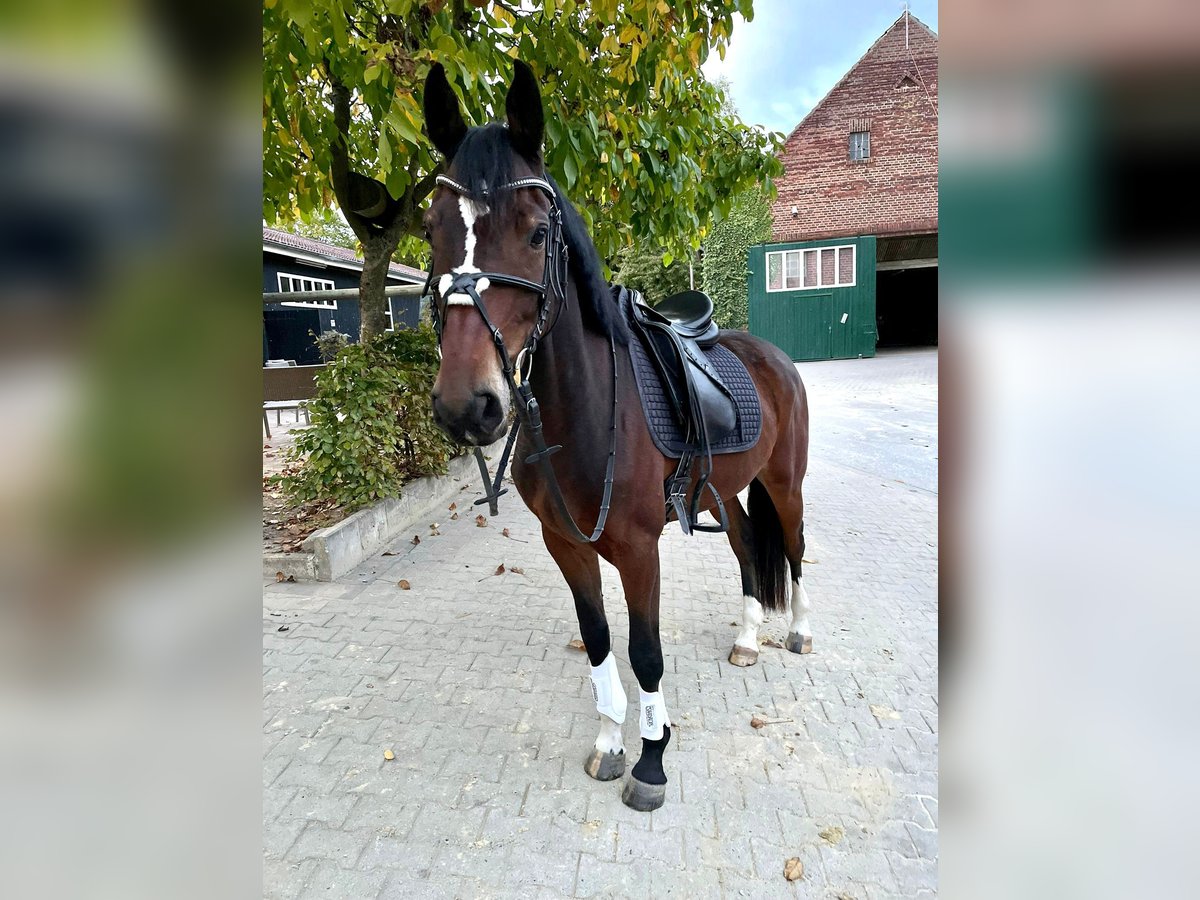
(490,410)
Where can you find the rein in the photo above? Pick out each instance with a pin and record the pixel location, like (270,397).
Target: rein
(553,287)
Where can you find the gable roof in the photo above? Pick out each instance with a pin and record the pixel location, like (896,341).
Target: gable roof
(912,20)
(340,255)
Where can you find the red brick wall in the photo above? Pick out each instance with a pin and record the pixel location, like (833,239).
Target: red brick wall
(895,191)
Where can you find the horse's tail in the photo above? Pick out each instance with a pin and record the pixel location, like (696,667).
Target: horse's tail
(770,558)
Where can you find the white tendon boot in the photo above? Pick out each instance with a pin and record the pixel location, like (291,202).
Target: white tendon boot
(607,758)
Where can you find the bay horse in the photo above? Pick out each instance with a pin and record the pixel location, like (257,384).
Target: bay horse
(514,267)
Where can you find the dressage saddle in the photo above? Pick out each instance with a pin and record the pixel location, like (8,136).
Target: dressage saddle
(674,333)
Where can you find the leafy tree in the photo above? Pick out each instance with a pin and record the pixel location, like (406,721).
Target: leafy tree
(635,134)
(726,256)
(644,270)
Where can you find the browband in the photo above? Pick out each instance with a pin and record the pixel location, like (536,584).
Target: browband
(539,183)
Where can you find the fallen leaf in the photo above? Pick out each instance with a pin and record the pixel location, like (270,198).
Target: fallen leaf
(518,570)
(453,517)
(452,507)
(576,644)
(433,530)
(279,576)
(388,754)
(499,569)
(404,585)
(882,712)
(756,722)
(793,869)
(832,835)
(767,642)
(504,532)
(291,579)
(416,539)
(481,521)
(284,628)
(387,553)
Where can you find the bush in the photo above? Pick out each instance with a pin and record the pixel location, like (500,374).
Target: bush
(330,343)
(725,256)
(643,270)
(372,427)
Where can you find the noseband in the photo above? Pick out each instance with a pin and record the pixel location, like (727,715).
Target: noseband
(552,291)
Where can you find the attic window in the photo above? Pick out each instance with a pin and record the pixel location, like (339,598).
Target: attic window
(860,145)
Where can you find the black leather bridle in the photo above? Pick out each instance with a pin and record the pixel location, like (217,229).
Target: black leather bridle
(551,293)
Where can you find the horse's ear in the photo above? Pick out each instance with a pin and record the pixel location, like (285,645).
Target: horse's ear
(526,122)
(443,120)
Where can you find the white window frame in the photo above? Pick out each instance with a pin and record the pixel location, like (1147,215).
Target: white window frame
(297,283)
(837,269)
(865,144)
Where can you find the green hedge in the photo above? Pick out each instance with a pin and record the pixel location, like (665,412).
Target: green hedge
(372,426)
(725,256)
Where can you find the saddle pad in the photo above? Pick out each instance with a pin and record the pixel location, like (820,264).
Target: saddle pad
(664,428)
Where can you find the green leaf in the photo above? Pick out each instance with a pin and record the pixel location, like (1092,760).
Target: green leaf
(570,169)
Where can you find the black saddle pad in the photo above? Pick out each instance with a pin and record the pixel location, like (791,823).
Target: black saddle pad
(664,428)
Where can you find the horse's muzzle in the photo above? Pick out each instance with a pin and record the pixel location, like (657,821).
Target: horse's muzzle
(479,420)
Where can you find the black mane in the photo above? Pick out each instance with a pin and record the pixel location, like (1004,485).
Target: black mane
(483,160)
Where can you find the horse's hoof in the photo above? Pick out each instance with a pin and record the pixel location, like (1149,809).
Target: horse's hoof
(799,643)
(743,656)
(643,797)
(604,766)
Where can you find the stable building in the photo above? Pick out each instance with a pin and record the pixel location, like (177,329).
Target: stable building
(852,262)
(295,263)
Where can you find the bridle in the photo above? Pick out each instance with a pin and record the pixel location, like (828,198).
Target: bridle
(551,292)
(552,287)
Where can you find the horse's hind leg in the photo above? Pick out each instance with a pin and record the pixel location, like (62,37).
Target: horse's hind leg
(788,500)
(646,788)
(581,568)
(741,538)
(799,639)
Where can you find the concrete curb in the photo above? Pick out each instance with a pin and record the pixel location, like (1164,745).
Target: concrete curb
(331,552)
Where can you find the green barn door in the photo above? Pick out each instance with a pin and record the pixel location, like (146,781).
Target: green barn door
(819,305)
(843,327)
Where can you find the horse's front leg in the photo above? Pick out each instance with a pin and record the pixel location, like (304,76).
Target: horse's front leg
(580,566)
(646,788)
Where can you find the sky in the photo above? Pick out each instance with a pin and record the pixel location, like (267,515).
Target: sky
(781,64)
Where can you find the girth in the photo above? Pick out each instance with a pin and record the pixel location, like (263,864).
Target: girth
(700,401)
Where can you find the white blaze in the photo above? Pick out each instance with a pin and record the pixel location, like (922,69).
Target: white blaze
(470,212)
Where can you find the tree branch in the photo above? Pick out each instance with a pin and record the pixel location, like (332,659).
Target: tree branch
(339,154)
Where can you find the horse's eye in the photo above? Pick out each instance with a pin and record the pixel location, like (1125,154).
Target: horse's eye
(538,237)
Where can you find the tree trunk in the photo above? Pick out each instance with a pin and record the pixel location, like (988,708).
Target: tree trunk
(380,234)
(372,301)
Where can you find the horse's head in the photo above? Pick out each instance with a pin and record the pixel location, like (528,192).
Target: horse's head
(475,224)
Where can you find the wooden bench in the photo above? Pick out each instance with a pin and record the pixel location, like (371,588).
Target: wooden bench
(288,387)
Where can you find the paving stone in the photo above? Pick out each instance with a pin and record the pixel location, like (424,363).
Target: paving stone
(488,713)
(333,882)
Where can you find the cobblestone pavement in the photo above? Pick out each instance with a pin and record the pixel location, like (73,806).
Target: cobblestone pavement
(468,679)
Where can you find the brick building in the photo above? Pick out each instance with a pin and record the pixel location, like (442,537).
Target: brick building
(852,261)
